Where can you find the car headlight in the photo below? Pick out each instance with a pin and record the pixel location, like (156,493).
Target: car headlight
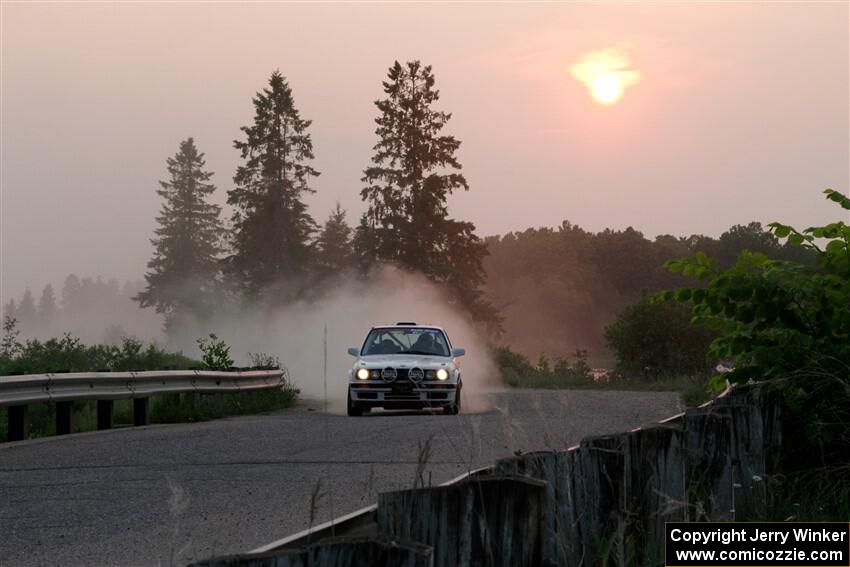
(442,374)
(363,374)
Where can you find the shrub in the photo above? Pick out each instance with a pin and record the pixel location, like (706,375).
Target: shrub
(263,361)
(776,317)
(517,371)
(216,353)
(69,354)
(788,324)
(9,345)
(653,340)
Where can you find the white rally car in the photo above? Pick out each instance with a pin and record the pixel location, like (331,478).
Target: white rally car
(405,366)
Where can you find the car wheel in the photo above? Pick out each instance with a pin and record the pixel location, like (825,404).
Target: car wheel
(354,409)
(454,409)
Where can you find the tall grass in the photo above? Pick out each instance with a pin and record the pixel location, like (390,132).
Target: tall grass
(814,495)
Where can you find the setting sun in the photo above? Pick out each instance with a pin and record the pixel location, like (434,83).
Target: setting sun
(606,74)
(606,89)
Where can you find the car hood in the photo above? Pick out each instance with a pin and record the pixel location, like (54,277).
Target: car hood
(403,361)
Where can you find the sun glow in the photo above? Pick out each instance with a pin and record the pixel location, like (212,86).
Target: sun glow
(606,89)
(606,74)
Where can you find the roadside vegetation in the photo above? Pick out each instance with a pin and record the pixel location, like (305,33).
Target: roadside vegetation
(786,326)
(68,354)
(781,321)
(598,290)
(574,373)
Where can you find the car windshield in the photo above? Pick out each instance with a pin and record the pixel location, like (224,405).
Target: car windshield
(406,341)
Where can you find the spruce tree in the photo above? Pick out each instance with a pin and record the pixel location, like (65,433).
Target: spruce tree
(414,169)
(71,295)
(10,310)
(26,314)
(272,230)
(182,276)
(47,306)
(333,246)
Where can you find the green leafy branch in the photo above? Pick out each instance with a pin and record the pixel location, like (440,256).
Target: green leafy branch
(773,316)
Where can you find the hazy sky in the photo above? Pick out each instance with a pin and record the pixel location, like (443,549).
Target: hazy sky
(740,113)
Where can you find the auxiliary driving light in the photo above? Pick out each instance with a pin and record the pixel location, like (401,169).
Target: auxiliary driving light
(442,374)
(363,374)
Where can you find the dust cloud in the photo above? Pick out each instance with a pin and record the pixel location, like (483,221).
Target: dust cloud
(295,333)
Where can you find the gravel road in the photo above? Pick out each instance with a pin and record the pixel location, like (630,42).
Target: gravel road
(171,494)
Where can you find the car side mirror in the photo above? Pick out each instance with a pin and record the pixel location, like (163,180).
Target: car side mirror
(458,352)
(354,351)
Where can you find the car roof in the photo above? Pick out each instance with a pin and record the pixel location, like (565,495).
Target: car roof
(408,326)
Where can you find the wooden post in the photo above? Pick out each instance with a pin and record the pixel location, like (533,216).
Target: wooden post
(378,551)
(708,466)
(140,411)
(64,418)
(756,445)
(654,491)
(104,414)
(492,520)
(19,423)
(599,471)
(560,517)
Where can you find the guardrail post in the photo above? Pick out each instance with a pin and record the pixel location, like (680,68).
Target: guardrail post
(19,423)
(64,418)
(104,414)
(140,411)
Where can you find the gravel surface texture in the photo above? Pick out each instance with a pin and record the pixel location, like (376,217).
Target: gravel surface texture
(172,494)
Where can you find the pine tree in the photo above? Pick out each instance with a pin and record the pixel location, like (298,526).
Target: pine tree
(26,313)
(46,306)
(10,310)
(182,275)
(333,246)
(272,229)
(71,295)
(414,170)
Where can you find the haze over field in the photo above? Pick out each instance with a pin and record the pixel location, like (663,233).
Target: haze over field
(740,113)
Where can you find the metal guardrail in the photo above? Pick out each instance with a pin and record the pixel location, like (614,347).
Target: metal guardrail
(35,388)
(17,392)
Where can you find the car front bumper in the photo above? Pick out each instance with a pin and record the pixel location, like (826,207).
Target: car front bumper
(403,395)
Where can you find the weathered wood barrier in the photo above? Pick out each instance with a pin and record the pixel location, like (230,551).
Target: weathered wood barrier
(339,552)
(603,502)
(493,520)
(608,499)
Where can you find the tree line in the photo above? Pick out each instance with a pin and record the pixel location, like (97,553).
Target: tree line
(91,308)
(555,290)
(538,291)
(558,289)
(273,252)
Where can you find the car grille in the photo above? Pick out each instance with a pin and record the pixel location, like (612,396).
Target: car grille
(401,374)
(399,397)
